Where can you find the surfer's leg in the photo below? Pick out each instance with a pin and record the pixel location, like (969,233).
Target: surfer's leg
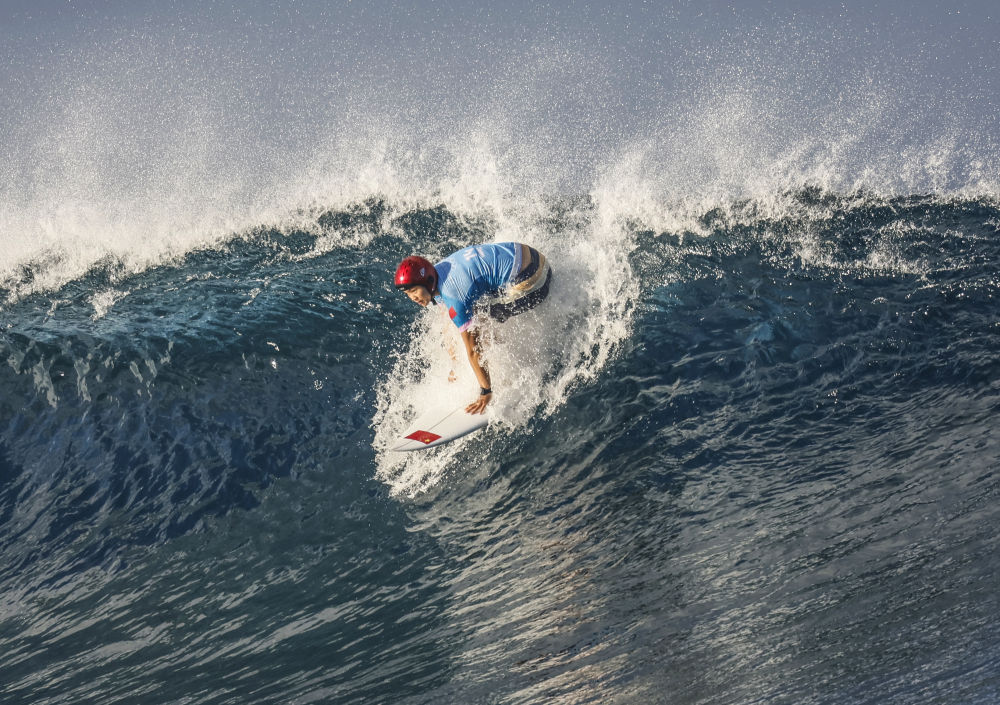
(527,289)
(506,308)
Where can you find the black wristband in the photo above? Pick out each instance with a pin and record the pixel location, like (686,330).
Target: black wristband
(483,391)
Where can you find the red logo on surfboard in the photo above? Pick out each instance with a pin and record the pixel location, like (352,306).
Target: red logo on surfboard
(424,437)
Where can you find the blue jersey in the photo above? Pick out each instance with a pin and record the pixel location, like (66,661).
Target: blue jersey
(470,274)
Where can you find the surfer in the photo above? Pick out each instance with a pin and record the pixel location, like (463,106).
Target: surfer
(500,280)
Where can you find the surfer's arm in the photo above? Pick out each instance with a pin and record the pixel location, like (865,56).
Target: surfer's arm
(471,340)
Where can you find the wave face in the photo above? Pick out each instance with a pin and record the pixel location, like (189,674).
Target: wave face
(749,455)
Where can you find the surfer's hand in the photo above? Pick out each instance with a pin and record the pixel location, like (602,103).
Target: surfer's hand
(452,376)
(479,405)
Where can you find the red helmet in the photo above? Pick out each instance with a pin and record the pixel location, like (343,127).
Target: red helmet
(416,271)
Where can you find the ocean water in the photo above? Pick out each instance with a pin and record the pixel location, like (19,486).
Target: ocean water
(749,459)
(745,452)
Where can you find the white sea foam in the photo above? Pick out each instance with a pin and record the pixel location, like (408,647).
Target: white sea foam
(124,160)
(535,359)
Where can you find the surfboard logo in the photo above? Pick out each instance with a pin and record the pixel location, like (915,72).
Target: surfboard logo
(452,312)
(425,437)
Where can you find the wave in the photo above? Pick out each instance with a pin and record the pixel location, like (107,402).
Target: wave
(222,305)
(255,382)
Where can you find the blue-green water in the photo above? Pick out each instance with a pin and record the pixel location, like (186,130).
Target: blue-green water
(751,457)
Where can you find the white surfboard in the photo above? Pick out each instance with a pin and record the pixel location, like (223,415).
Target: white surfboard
(439,426)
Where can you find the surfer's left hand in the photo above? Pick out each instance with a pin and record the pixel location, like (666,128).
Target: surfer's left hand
(479,405)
